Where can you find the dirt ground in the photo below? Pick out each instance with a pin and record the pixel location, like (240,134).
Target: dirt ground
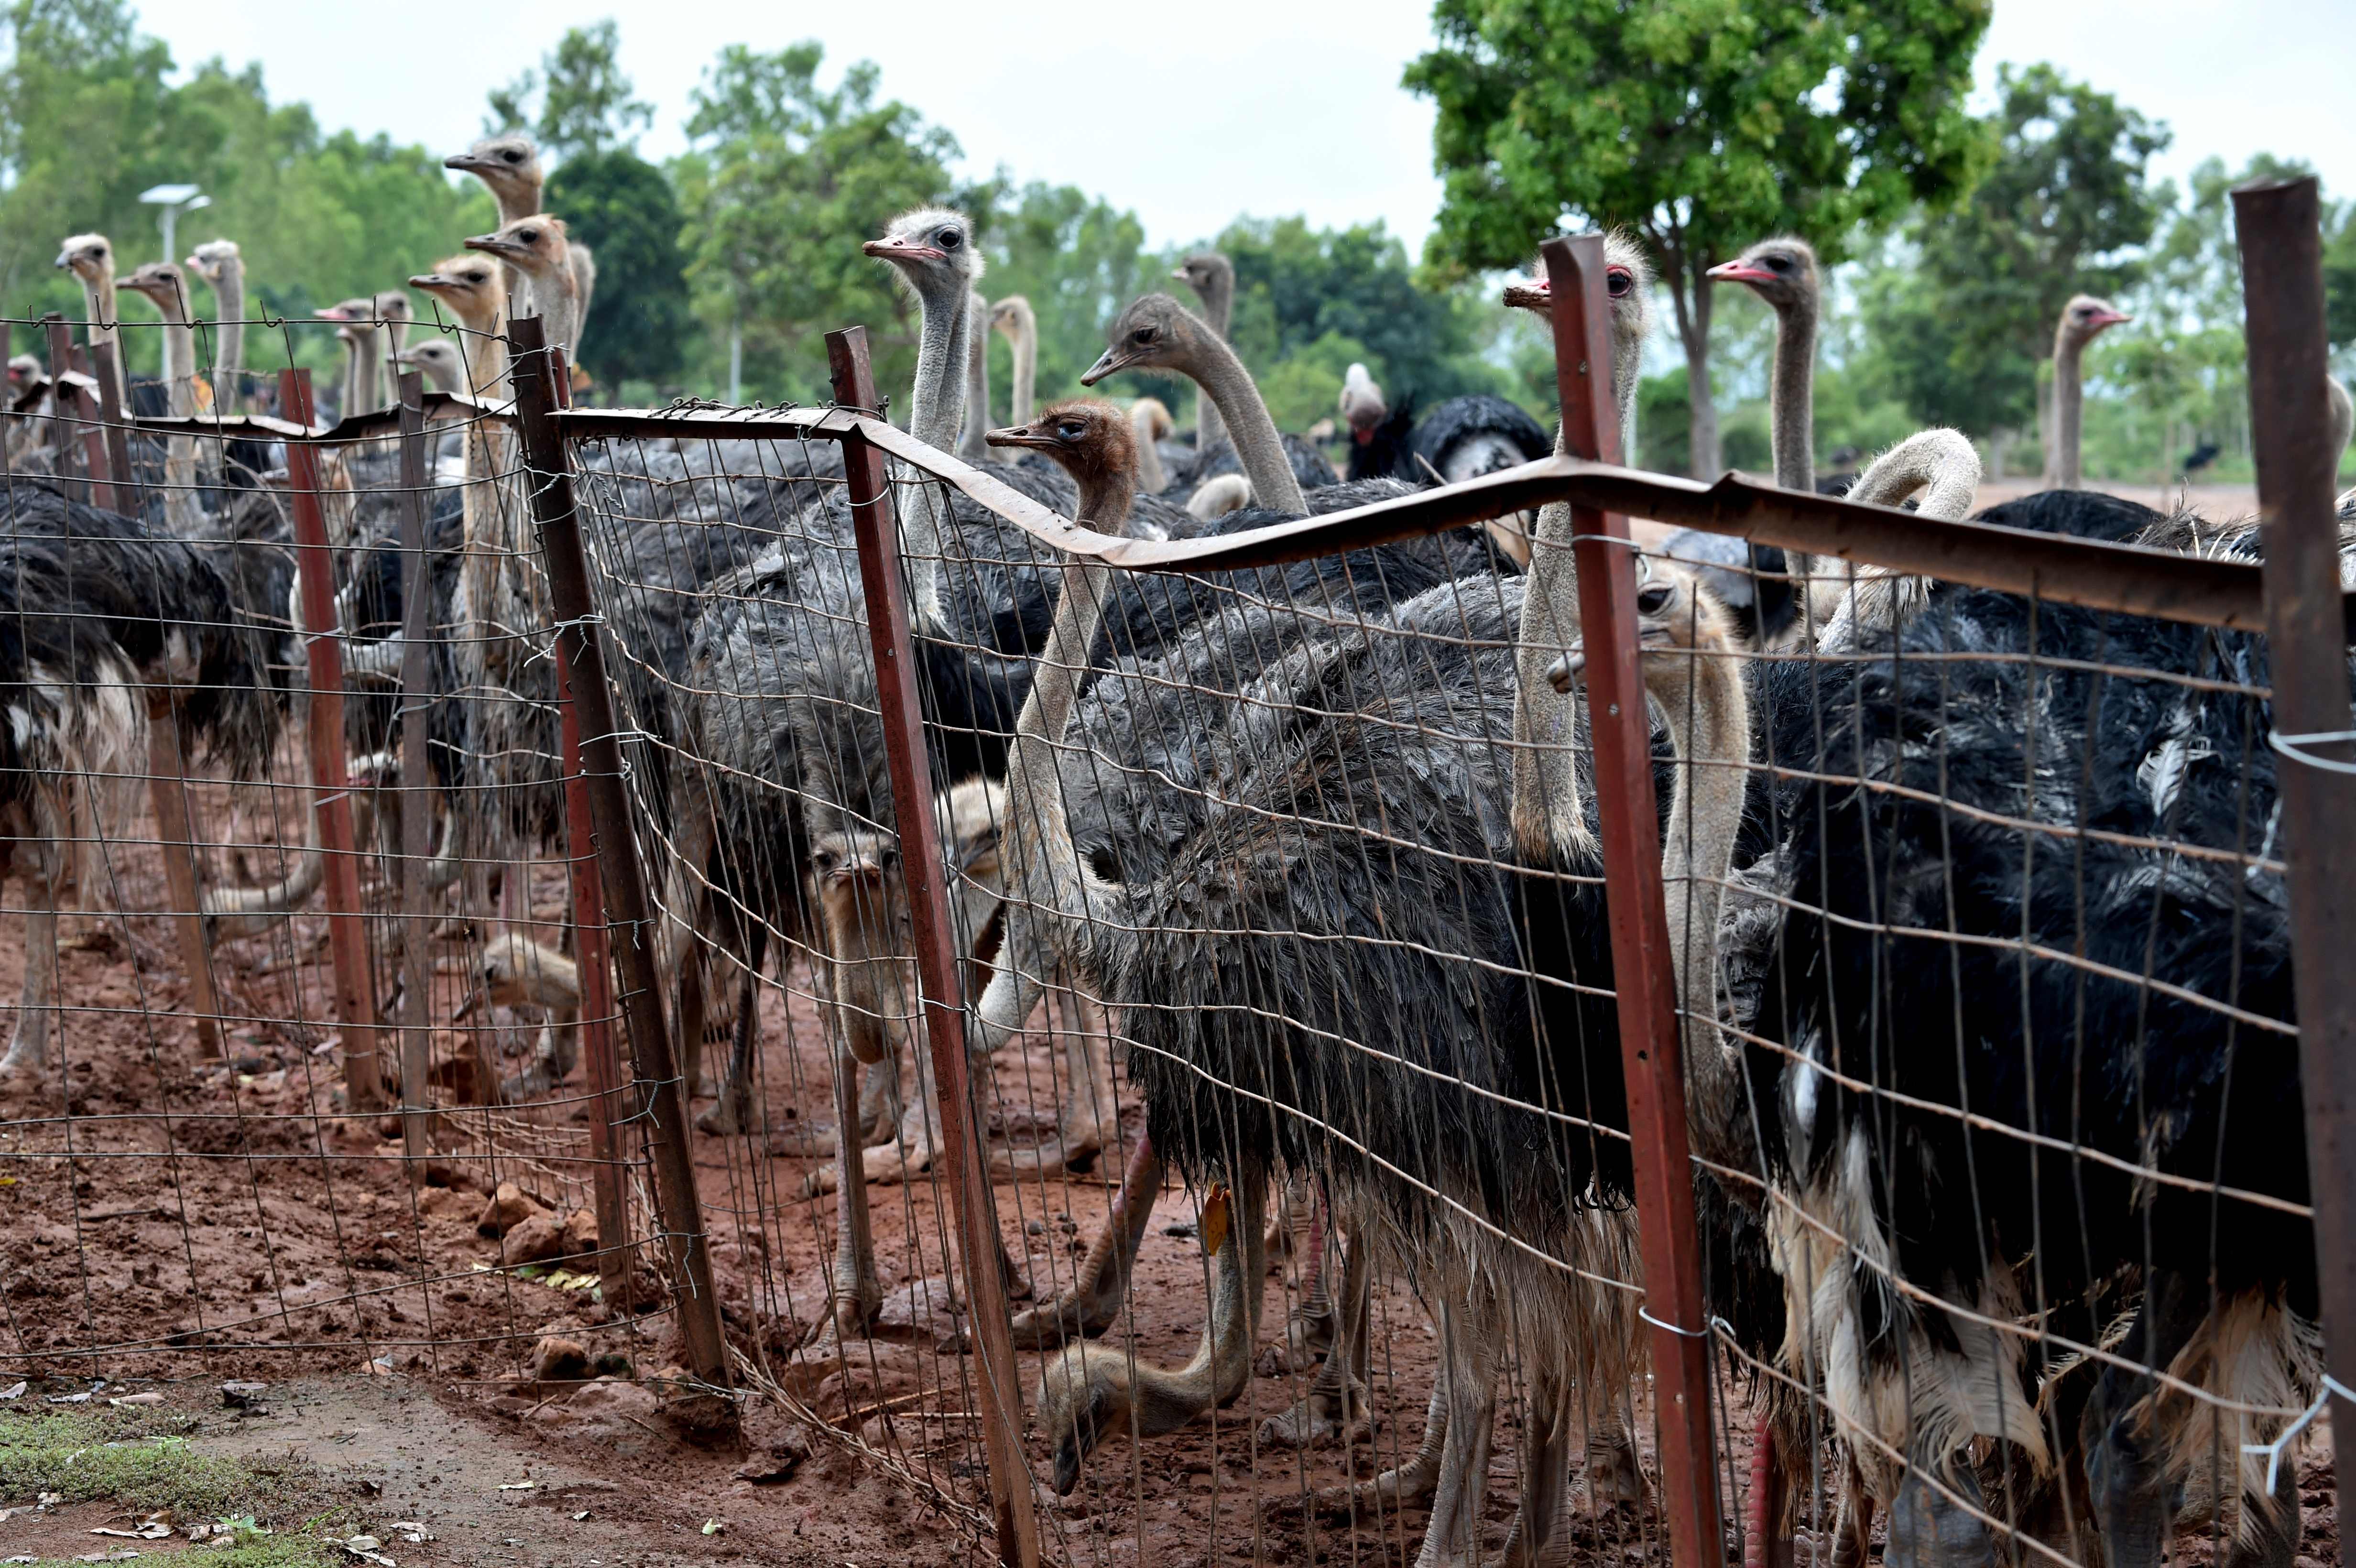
(172,1223)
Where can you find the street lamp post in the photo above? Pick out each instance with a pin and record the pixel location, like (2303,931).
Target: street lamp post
(174,200)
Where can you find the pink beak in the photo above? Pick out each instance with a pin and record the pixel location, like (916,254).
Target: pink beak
(1740,273)
(887,248)
(2108,318)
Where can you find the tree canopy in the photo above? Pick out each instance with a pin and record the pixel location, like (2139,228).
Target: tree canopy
(623,208)
(1703,127)
(586,107)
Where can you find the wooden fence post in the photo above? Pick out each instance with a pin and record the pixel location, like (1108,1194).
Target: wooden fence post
(2278,227)
(936,961)
(347,947)
(1642,974)
(547,478)
(416,1022)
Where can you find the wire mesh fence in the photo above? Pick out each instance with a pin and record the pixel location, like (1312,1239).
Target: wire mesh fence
(1719,1057)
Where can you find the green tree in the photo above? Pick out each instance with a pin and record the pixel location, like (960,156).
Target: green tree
(586,107)
(785,179)
(1077,260)
(621,207)
(2340,274)
(1703,125)
(2062,212)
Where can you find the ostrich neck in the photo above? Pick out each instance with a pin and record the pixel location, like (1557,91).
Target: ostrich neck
(365,381)
(2069,411)
(99,295)
(1710,725)
(1104,503)
(1210,426)
(971,444)
(517,201)
(1026,367)
(1793,397)
(180,361)
(1148,457)
(1049,867)
(1258,448)
(229,335)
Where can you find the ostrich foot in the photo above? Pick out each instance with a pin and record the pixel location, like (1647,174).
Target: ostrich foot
(1307,1340)
(732,1112)
(1321,1417)
(1045,1162)
(1402,1485)
(28,1051)
(885,1164)
(1613,1475)
(1930,1530)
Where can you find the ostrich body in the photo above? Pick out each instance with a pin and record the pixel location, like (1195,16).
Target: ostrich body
(91,258)
(219,262)
(1014,319)
(2084,319)
(1212,278)
(162,285)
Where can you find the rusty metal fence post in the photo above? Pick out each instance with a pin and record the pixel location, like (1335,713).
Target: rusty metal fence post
(1001,1402)
(547,477)
(1642,974)
(416,1022)
(2277,225)
(331,801)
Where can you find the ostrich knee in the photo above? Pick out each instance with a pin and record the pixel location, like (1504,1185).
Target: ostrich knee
(1931,1529)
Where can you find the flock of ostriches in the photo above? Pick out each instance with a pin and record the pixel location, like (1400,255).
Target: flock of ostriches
(1318,842)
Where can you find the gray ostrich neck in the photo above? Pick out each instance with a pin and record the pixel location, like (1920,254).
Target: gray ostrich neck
(1258,448)
(1549,820)
(1218,308)
(1104,503)
(1026,367)
(936,414)
(366,379)
(970,445)
(1712,738)
(2069,411)
(229,332)
(1793,397)
(179,358)
(517,201)
(98,296)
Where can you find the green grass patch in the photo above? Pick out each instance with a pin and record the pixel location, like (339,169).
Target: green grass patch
(141,1461)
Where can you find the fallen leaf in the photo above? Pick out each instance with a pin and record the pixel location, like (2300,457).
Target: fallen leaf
(1214,1218)
(151,1531)
(713,1527)
(16,1392)
(582,1515)
(81,1398)
(150,1397)
(517,1485)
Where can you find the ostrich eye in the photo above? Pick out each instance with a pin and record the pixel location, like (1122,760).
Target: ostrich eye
(1618,280)
(1070,431)
(1653,601)
(950,238)
(512,155)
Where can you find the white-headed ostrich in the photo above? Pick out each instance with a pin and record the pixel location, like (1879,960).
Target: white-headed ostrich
(1212,278)
(91,258)
(161,283)
(222,267)
(2084,319)
(440,361)
(1783,272)
(1012,318)
(510,166)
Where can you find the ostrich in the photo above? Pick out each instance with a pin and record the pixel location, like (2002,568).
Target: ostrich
(510,166)
(1363,409)
(2084,319)
(1156,331)
(475,292)
(1197,846)
(440,361)
(162,285)
(1212,278)
(219,262)
(394,312)
(1783,272)
(515,971)
(363,365)
(119,626)
(970,445)
(536,249)
(1012,317)
(91,258)
(1149,425)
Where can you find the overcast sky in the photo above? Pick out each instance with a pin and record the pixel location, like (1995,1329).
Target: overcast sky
(1192,114)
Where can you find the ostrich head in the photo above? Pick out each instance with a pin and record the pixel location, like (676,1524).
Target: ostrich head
(162,283)
(89,257)
(1677,617)
(214,261)
(933,251)
(351,312)
(1090,439)
(533,246)
(1010,316)
(392,307)
(1362,404)
(1154,332)
(438,359)
(510,165)
(2085,317)
(1208,273)
(1628,284)
(1782,272)
(25,371)
(472,288)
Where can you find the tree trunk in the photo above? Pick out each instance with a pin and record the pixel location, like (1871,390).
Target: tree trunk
(1999,441)
(1691,293)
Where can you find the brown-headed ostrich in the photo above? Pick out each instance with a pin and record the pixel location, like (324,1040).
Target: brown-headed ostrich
(220,264)
(91,258)
(2084,319)
(1012,318)
(1212,278)
(161,283)
(510,166)
(535,248)
(1269,873)
(394,315)
(475,292)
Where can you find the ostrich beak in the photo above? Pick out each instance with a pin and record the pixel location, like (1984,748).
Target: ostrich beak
(1529,293)
(2103,319)
(1179,273)
(1560,673)
(64,260)
(1739,272)
(1109,361)
(495,245)
(1018,435)
(332,313)
(466,162)
(466,1008)
(894,249)
(429,281)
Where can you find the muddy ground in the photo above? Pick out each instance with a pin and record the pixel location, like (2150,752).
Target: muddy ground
(174,1221)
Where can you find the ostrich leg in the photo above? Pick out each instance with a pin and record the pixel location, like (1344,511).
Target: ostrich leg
(1334,1406)
(1853,1526)
(1469,1370)
(1413,1481)
(2124,1453)
(1089,1111)
(732,1112)
(858,1292)
(1537,1536)
(28,1048)
(1093,1304)
(1090,1392)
